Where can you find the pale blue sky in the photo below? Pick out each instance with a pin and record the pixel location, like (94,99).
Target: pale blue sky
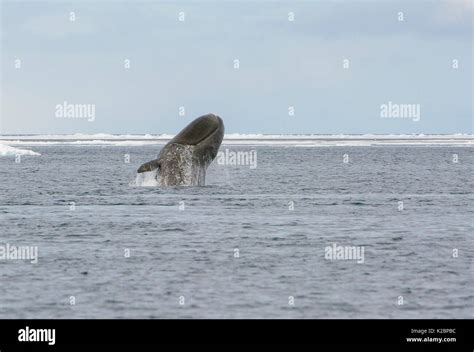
(282,64)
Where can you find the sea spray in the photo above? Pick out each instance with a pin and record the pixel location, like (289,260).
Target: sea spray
(146,179)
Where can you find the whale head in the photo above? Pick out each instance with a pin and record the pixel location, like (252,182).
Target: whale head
(183,161)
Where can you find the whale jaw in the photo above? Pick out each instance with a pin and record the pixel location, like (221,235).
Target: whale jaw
(183,161)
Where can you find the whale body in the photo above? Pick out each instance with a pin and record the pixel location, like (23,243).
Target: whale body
(183,161)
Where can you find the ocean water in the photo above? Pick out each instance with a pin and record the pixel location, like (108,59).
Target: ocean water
(251,244)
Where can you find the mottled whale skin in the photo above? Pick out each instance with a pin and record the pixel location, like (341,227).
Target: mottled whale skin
(183,161)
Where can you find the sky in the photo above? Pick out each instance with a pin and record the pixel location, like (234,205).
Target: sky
(292,76)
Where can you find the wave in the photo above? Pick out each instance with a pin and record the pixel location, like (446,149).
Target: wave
(6,150)
(229,136)
(297,140)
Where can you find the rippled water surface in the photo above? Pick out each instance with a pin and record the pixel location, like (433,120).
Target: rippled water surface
(245,243)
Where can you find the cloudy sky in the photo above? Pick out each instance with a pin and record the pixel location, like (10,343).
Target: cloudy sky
(48,59)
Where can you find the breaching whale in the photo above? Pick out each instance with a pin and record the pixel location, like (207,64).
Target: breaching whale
(183,161)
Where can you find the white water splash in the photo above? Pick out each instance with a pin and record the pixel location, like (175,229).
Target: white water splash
(146,179)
